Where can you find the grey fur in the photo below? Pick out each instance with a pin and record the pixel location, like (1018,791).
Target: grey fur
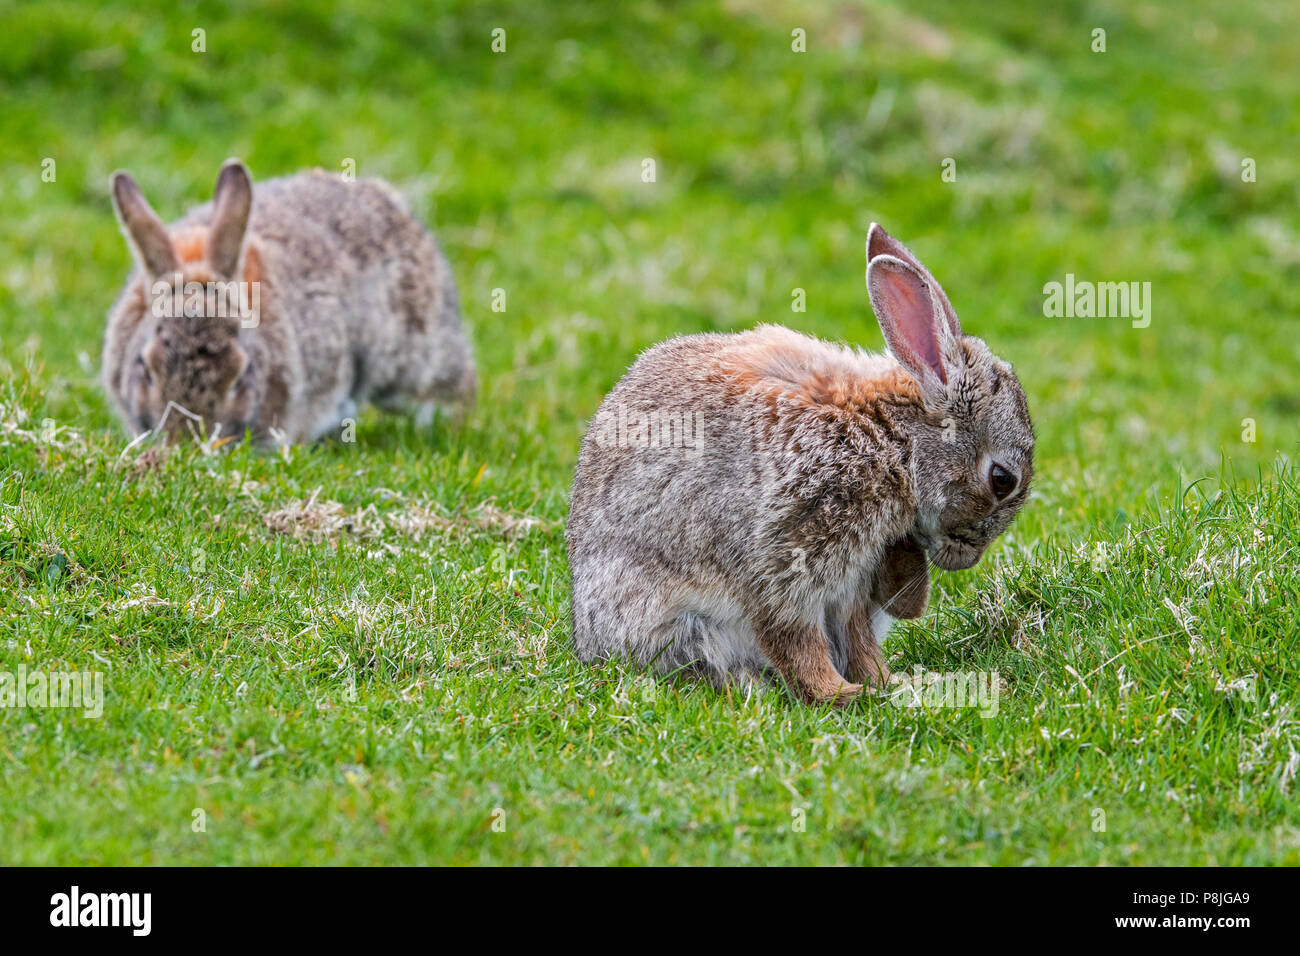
(357,302)
(782,542)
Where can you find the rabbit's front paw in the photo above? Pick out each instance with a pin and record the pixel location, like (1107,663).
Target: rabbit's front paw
(837,690)
(866,662)
(799,654)
(846,694)
(869,670)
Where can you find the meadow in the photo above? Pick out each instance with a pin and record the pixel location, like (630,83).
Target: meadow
(357,652)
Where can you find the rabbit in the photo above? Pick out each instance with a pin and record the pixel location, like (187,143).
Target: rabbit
(764,504)
(280,309)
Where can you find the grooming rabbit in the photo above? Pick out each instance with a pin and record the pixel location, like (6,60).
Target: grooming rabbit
(346,298)
(765,501)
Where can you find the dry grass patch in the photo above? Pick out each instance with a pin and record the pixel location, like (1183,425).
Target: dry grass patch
(317,520)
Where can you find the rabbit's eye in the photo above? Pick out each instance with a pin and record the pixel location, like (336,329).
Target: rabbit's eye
(1001,481)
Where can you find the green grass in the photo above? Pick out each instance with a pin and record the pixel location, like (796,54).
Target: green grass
(374,691)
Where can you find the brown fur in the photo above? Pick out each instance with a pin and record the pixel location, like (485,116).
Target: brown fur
(793,365)
(191,245)
(901,585)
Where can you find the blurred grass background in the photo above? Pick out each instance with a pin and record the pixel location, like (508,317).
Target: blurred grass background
(1123,165)
(770,164)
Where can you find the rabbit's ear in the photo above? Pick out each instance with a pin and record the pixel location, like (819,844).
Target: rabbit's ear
(231,205)
(881,243)
(144,231)
(912,318)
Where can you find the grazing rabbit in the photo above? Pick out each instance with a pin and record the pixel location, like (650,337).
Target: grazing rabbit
(765,502)
(281,308)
